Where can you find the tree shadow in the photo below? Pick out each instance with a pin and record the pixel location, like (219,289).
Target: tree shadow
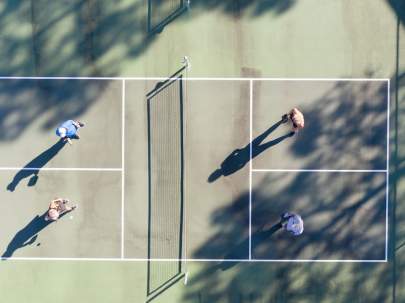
(91,37)
(341,126)
(81,38)
(32,168)
(27,235)
(161,13)
(250,8)
(397,171)
(239,157)
(239,252)
(23,101)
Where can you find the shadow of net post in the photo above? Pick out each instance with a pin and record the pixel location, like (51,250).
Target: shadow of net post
(162,12)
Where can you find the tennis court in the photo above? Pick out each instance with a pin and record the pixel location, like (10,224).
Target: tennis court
(181,177)
(152,183)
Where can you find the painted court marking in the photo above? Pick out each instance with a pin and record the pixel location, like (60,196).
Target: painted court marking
(196,79)
(123,171)
(322,170)
(251,170)
(250,166)
(62,168)
(192,260)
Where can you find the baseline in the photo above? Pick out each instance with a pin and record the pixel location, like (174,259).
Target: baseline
(194,260)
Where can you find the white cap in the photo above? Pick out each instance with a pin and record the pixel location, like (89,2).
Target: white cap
(62,132)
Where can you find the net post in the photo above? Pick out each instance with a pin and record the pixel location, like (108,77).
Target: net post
(186,62)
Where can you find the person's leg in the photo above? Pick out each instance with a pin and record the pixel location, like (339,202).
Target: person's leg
(62,207)
(66,139)
(284,218)
(278,226)
(70,208)
(67,207)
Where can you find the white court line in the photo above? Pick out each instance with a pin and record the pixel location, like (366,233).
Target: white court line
(197,79)
(322,170)
(123,170)
(192,260)
(388,174)
(62,168)
(250,167)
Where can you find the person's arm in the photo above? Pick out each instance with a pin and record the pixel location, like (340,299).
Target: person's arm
(292,113)
(68,208)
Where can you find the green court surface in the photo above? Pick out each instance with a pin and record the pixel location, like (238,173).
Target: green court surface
(180,182)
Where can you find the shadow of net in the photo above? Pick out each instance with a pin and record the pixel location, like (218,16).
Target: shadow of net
(97,37)
(23,102)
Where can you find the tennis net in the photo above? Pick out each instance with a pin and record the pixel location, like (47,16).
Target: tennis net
(165,137)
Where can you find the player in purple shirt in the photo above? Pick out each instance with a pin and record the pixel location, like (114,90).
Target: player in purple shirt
(292,223)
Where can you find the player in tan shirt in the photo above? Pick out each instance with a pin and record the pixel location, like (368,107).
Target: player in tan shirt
(296,117)
(57,208)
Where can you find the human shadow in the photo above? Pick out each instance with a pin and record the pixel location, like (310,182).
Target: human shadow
(33,167)
(398,7)
(27,235)
(239,157)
